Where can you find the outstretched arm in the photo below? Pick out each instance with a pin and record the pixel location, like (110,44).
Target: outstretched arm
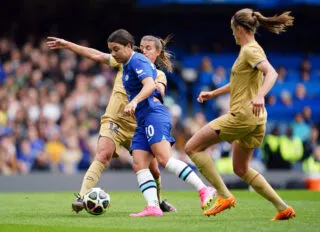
(93,54)
(207,95)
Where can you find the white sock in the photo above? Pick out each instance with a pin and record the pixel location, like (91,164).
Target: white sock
(184,172)
(148,187)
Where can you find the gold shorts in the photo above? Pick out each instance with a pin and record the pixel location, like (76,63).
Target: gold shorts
(119,132)
(231,129)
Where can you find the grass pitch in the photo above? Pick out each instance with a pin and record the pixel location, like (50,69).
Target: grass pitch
(26,212)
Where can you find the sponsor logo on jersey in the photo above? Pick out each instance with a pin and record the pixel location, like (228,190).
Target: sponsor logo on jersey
(139,71)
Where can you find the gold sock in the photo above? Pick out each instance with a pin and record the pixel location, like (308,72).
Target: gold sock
(158,183)
(91,177)
(261,186)
(207,168)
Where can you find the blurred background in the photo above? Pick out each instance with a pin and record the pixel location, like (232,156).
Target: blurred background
(51,102)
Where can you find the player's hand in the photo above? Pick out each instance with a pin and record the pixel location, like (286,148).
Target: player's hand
(56,43)
(204,96)
(130,108)
(258,105)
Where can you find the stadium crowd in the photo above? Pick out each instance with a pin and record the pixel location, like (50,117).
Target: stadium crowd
(51,103)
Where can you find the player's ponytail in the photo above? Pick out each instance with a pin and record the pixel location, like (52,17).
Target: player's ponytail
(163,61)
(277,23)
(251,20)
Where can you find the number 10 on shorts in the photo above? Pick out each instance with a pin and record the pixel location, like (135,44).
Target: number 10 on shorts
(149,131)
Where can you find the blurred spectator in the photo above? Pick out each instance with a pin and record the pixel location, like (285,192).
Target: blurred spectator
(55,149)
(271,148)
(305,76)
(71,156)
(271,100)
(291,148)
(88,148)
(307,115)
(5,48)
(300,94)
(26,156)
(2,74)
(222,103)
(192,125)
(310,145)
(200,120)
(305,70)
(204,82)
(282,74)
(51,108)
(205,76)
(286,99)
(219,78)
(177,130)
(3,111)
(300,128)
(8,159)
(312,164)
(305,66)
(42,160)
(189,75)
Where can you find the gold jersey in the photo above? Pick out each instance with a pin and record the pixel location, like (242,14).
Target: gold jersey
(118,99)
(161,77)
(245,82)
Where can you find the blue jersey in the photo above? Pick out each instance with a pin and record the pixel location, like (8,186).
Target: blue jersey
(153,119)
(134,71)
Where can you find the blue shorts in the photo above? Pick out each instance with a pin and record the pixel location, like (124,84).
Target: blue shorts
(157,127)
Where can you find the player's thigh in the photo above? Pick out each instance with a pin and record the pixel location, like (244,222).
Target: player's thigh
(141,159)
(241,156)
(162,151)
(204,138)
(157,129)
(118,133)
(140,141)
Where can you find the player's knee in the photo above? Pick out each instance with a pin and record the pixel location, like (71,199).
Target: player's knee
(136,167)
(189,149)
(104,156)
(162,160)
(240,171)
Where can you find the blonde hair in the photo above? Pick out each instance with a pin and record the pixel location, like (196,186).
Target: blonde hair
(164,59)
(251,20)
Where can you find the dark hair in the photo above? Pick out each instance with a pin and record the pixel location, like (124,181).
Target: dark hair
(163,60)
(122,37)
(251,20)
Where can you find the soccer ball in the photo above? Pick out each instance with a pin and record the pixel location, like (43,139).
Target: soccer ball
(96,201)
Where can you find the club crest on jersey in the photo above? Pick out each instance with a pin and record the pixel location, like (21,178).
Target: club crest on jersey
(126,77)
